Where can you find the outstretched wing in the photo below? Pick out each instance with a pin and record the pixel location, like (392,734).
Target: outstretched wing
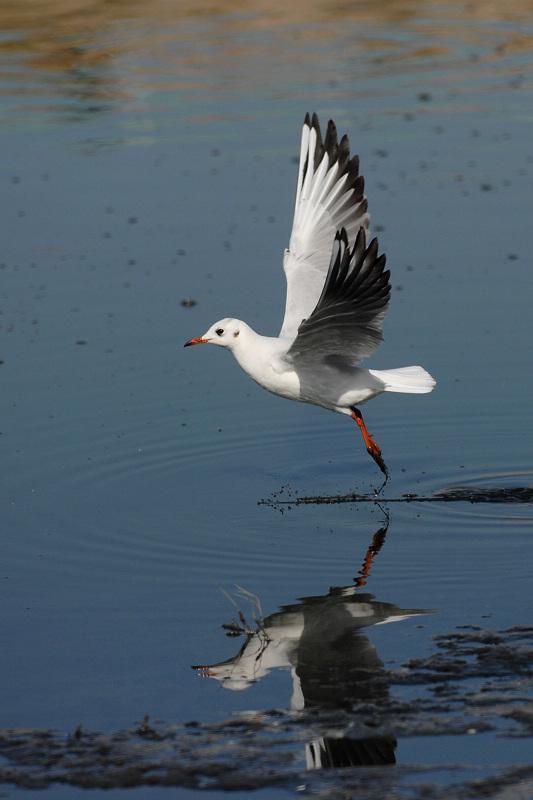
(346,324)
(329,196)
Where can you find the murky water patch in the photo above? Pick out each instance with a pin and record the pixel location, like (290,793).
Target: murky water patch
(240,752)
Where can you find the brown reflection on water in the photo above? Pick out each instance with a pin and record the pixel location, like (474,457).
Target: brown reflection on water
(65,35)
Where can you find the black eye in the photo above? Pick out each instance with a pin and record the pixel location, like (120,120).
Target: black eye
(219,331)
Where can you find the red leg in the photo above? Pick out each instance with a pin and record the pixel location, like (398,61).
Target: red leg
(371,446)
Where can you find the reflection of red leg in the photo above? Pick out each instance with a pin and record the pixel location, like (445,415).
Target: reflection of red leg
(371,446)
(373,550)
(365,572)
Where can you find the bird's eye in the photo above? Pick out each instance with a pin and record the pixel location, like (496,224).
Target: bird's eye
(219,331)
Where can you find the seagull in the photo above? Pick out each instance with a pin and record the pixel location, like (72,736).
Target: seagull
(338,292)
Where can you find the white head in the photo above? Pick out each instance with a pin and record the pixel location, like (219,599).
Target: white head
(225,333)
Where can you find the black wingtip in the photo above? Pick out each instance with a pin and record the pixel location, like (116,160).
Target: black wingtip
(341,235)
(337,153)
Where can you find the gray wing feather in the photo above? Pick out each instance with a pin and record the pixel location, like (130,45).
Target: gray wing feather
(346,323)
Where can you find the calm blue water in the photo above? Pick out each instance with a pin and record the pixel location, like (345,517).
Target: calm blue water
(158,164)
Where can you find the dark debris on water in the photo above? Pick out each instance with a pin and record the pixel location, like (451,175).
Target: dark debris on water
(516,495)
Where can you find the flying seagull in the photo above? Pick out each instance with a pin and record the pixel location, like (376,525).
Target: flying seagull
(338,293)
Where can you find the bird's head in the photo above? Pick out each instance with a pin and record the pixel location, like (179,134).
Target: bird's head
(224,333)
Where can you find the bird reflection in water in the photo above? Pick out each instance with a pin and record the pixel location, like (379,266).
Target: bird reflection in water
(333,664)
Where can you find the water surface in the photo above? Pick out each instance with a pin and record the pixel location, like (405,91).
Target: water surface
(149,156)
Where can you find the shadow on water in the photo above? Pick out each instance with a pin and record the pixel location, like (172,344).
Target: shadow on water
(347,710)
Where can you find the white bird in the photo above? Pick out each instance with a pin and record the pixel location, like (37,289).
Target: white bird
(338,293)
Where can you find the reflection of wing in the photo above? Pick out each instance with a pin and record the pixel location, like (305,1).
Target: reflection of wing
(346,324)
(329,196)
(343,751)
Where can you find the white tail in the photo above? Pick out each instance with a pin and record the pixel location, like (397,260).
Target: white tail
(412,380)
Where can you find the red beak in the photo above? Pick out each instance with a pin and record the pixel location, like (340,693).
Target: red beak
(198,340)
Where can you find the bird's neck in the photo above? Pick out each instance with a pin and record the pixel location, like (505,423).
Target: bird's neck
(255,353)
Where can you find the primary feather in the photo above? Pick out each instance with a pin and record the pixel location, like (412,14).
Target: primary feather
(329,196)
